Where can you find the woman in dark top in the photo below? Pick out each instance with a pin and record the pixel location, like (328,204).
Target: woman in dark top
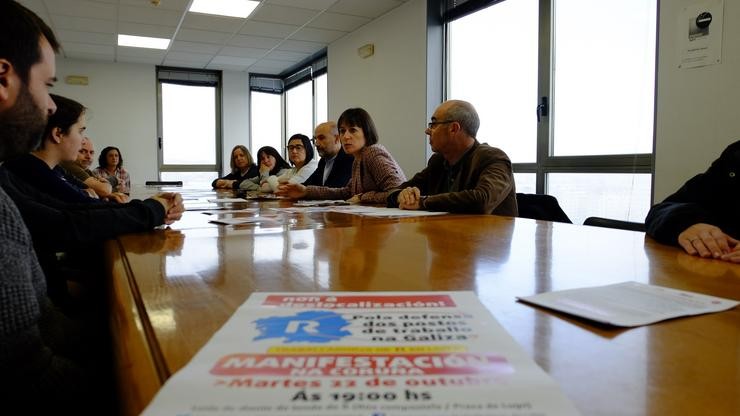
(62,141)
(242,167)
(271,164)
(703,216)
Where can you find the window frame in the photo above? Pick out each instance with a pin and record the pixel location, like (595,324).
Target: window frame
(446,11)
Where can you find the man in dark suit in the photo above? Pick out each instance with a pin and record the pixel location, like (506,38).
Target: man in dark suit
(335,166)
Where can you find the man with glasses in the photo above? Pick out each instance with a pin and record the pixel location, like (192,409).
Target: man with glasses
(335,166)
(463,175)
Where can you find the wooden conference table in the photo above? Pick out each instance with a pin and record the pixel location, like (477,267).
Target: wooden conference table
(172,289)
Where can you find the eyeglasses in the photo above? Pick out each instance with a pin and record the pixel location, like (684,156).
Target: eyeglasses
(432,124)
(296,147)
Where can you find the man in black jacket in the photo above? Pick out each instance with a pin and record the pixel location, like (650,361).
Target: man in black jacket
(335,166)
(703,217)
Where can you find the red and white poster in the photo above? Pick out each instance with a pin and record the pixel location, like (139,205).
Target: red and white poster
(361,354)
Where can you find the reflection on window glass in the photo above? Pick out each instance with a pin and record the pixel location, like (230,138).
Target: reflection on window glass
(188,125)
(500,77)
(299,110)
(526,183)
(619,196)
(604,82)
(322,99)
(266,121)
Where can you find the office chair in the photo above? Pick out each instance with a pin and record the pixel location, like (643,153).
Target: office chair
(541,207)
(618,224)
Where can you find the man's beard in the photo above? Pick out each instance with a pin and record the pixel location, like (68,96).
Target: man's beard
(21,127)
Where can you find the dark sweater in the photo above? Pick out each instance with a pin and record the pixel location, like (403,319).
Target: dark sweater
(341,172)
(253,171)
(712,197)
(52,182)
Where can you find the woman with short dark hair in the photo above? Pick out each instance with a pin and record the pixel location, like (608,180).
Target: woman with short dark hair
(300,155)
(374,171)
(271,164)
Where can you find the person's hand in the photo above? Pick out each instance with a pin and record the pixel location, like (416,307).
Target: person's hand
(733,256)
(355,199)
(173,206)
(91,193)
(706,240)
(118,197)
(224,183)
(409,198)
(264,170)
(292,190)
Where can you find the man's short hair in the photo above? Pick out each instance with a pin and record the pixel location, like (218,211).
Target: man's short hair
(20,33)
(464,113)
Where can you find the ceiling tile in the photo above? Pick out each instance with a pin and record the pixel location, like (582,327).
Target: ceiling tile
(212,23)
(182,64)
(273,30)
(139,60)
(304,4)
(65,36)
(271,63)
(195,58)
(108,57)
(202,36)
(71,47)
(243,52)
(233,60)
(254,42)
(287,56)
(256,69)
(177,5)
(226,67)
(149,15)
(124,51)
(371,9)
(336,21)
(195,47)
(301,46)
(317,35)
(138,29)
(82,8)
(89,25)
(283,15)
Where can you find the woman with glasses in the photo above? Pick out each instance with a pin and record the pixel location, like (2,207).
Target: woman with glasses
(242,167)
(271,164)
(374,171)
(300,155)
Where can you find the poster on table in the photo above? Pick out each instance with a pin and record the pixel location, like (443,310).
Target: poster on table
(361,354)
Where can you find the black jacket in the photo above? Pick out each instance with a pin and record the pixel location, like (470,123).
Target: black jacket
(712,197)
(340,173)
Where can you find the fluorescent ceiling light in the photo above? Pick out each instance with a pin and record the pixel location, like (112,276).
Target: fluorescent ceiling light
(230,8)
(143,42)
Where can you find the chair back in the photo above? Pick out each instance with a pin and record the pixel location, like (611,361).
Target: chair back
(541,207)
(618,224)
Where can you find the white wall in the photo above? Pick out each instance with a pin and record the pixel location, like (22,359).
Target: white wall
(235,111)
(391,84)
(122,102)
(698,112)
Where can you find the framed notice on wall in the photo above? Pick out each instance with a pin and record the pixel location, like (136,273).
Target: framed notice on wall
(700,34)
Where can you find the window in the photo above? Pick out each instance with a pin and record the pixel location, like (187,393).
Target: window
(590,143)
(284,106)
(299,110)
(188,151)
(266,122)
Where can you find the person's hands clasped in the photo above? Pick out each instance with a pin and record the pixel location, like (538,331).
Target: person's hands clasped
(173,206)
(291,190)
(706,240)
(409,198)
(264,170)
(224,183)
(118,197)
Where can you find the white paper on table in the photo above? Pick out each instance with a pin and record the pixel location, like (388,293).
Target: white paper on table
(630,303)
(361,354)
(321,203)
(384,212)
(232,211)
(227,200)
(242,220)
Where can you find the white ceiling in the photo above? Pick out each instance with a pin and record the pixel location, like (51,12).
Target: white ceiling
(278,34)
